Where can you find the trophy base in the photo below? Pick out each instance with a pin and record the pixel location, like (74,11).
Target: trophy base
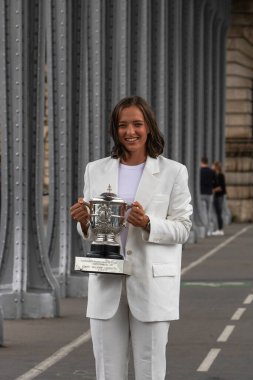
(97,251)
(105,251)
(105,265)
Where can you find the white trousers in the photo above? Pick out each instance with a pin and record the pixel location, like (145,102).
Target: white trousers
(111,338)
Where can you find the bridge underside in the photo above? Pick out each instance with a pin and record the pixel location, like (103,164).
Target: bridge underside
(63,65)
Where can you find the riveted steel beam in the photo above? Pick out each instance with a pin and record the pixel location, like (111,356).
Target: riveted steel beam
(199,7)
(208,81)
(59,138)
(27,287)
(187,100)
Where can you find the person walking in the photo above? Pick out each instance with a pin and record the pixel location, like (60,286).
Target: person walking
(141,306)
(207,183)
(219,192)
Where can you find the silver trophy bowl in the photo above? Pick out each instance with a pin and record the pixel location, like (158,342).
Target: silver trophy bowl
(107,218)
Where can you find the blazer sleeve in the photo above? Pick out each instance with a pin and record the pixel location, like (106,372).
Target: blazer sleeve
(176,227)
(86,197)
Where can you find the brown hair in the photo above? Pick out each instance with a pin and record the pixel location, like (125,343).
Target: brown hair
(155,140)
(217,166)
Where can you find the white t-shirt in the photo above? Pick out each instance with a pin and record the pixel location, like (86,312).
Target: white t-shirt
(129,178)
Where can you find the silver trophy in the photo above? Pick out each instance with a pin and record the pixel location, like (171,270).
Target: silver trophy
(107,218)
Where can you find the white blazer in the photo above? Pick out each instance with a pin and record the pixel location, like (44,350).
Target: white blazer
(155,257)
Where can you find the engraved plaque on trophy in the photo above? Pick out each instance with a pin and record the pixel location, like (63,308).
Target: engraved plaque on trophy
(107,219)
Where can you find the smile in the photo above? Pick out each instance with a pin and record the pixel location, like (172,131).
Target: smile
(131,139)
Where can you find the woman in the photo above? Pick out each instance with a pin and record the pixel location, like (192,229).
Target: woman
(219,191)
(141,305)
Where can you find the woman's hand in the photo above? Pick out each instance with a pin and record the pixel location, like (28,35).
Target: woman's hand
(80,213)
(137,216)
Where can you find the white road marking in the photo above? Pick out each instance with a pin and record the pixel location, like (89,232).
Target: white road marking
(226,333)
(248,299)
(209,359)
(213,251)
(215,284)
(58,355)
(238,313)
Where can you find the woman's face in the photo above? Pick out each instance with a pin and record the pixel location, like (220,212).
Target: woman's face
(133,130)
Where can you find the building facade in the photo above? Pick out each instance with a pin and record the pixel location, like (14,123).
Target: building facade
(239,111)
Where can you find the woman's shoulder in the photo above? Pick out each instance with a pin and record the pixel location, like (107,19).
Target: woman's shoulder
(100,161)
(172,164)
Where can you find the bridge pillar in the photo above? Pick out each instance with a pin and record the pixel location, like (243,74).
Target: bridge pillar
(27,286)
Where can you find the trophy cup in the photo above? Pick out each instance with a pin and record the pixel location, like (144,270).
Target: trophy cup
(107,219)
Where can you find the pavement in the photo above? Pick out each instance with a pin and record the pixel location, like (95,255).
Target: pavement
(213,340)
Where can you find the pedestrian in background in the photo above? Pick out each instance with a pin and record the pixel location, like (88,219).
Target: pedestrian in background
(140,306)
(207,183)
(219,192)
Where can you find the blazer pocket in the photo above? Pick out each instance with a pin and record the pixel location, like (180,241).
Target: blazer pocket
(159,206)
(164,270)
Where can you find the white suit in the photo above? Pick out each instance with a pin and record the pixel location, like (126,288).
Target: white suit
(153,288)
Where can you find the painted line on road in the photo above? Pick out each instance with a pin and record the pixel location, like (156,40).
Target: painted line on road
(217,284)
(226,333)
(57,356)
(215,250)
(209,359)
(248,299)
(238,313)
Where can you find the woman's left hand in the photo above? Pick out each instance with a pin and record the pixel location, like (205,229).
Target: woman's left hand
(137,216)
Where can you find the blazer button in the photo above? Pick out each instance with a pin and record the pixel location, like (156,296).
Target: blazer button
(129,252)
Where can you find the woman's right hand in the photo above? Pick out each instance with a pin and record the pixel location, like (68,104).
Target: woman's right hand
(80,212)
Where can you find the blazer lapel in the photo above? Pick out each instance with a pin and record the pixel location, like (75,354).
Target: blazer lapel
(109,176)
(149,182)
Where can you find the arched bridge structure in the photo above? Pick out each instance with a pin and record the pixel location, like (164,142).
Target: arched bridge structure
(63,65)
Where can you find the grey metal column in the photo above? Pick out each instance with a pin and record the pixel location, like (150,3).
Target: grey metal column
(224,29)
(3,151)
(174,134)
(79,127)
(140,48)
(188,94)
(208,83)
(120,56)
(59,228)
(95,15)
(199,7)
(225,9)
(216,87)
(159,62)
(27,287)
